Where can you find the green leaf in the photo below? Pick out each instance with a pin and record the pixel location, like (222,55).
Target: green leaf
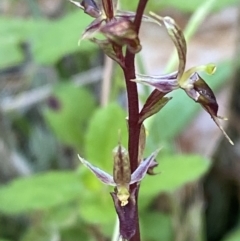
(75,232)
(39,192)
(61,216)
(98,209)
(191,6)
(39,233)
(40,139)
(12,33)
(49,40)
(60,38)
(156,226)
(233,236)
(175,171)
(102,136)
(69,121)
(10,55)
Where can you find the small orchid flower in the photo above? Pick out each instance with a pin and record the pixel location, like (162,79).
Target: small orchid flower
(188,80)
(123,197)
(116,25)
(122,177)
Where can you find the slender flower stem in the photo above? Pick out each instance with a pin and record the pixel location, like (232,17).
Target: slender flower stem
(133,111)
(132,95)
(133,107)
(106,81)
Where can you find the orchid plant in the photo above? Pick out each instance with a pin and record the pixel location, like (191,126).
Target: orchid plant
(121,42)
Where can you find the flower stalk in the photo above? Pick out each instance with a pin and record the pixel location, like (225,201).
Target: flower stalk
(120,29)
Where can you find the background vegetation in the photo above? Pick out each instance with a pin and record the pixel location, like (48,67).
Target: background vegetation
(50,110)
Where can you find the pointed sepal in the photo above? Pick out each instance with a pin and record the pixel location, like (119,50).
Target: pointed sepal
(203,94)
(164,83)
(177,36)
(150,170)
(100,174)
(112,51)
(90,7)
(142,169)
(92,29)
(131,16)
(151,108)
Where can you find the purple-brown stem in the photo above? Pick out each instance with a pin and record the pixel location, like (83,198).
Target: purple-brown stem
(133,107)
(132,95)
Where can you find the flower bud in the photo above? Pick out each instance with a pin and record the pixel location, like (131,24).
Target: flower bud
(121,167)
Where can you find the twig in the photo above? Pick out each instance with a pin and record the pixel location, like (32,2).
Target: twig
(27,99)
(106,81)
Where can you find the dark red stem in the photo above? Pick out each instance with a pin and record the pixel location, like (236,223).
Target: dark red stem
(132,95)
(133,106)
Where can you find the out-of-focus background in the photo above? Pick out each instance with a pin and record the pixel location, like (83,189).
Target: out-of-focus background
(58,99)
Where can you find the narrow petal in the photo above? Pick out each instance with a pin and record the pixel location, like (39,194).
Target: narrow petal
(131,15)
(92,29)
(127,215)
(89,6)
(108,8)
(151,101)
(142,169)
(178,39)
(110,50)
(152,106)
(151,168)
(186,81)
(78,4)
(100,174)
(115,4)
(216,120)
(204,95)
(164,83)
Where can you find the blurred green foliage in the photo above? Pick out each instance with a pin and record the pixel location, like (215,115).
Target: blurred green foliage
(233,236)
(60,190)
(69,118)
(49,40)
(39,192)
(63,191)
(106,127)
(73,205)
(181,5)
